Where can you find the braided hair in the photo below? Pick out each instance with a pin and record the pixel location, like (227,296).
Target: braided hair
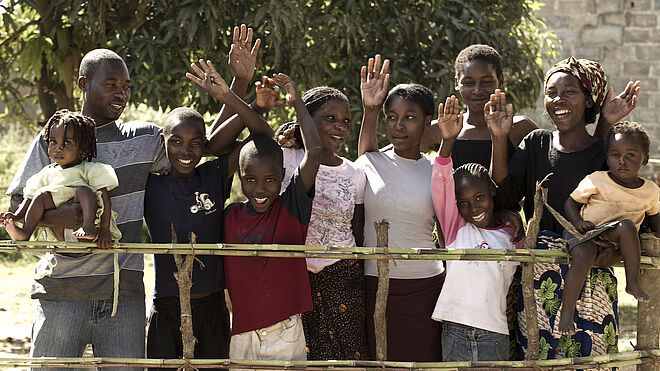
(316,97)
(474,170)
(84,131)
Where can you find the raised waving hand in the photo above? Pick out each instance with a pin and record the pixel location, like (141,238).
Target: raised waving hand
(448,126)
(374,82)
(242,54)
(310,136)
(268,94)
(498,115)
(615,109)
(209,79)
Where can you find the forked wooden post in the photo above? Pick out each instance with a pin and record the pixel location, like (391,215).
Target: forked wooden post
(527,279)
(380,319)
(648,314)
(183,276)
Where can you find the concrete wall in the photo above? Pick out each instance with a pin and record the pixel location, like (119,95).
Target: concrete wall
(624,36)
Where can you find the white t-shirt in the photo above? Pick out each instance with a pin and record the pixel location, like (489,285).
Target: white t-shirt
(337,190)
(487,282)
(399,190)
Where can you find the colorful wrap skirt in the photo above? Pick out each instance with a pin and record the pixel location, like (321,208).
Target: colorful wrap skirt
(596,316)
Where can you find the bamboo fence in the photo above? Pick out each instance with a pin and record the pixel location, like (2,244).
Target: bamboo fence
(600,361)
(305,251)
(639,357)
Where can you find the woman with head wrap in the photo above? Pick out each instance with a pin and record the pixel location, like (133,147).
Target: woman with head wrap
(336,327)
(575,93)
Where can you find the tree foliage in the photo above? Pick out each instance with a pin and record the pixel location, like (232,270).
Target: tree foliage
(317,42)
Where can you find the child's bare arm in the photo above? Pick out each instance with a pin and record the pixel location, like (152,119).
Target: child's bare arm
(449,125)
(654,224)
(374,82)
(572,211)
(223,139)
(104,240)
(499,118)
(309,166)
(242,61)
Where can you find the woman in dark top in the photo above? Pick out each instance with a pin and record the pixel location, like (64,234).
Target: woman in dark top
(574,90)
(478,73)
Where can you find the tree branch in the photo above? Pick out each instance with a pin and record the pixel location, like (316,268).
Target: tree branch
(18,32)
(133,14)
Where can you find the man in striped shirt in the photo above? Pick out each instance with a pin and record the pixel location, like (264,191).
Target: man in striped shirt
(74,291)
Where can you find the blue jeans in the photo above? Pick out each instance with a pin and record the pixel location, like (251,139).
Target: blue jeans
(63,328)
(466,343)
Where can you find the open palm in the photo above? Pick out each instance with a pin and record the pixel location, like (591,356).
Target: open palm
(450,120)
(242,59)
(615,109)
(374,82)
(498,115)
(208,78)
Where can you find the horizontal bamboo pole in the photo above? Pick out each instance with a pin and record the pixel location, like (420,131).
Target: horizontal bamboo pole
(604,360)
(304,251)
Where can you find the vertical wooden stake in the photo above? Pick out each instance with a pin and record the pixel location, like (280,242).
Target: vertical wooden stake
(648,319)
(380,318)
(183,276)
(527,279)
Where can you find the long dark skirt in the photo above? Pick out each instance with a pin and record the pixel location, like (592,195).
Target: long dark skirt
(411,333)
(336,327)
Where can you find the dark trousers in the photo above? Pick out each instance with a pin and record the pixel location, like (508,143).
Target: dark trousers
(210,327)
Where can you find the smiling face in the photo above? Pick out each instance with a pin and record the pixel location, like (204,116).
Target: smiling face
(476,83)
(184,144)
(625,156)
(404,124)
(474,199)
(261,179)
(107,92)
(333,122)
(63,149)
(566,102)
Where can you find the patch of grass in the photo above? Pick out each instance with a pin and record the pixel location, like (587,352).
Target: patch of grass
(14,143)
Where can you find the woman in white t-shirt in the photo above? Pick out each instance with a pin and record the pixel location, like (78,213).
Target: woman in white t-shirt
(336,327)
(399,190)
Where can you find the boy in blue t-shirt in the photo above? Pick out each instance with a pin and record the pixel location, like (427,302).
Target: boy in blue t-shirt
(190,199)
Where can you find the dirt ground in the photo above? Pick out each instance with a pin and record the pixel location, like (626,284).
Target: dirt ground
(17,309)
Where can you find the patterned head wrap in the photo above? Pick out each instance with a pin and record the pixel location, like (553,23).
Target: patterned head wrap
(590,74)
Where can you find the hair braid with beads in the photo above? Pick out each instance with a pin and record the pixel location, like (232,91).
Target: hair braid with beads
(474,170)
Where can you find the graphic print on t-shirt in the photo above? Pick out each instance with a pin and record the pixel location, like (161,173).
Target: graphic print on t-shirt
(202,202)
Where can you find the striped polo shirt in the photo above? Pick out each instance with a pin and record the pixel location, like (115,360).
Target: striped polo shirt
(133,150)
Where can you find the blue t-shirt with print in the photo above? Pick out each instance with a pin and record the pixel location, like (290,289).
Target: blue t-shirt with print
(190,205)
